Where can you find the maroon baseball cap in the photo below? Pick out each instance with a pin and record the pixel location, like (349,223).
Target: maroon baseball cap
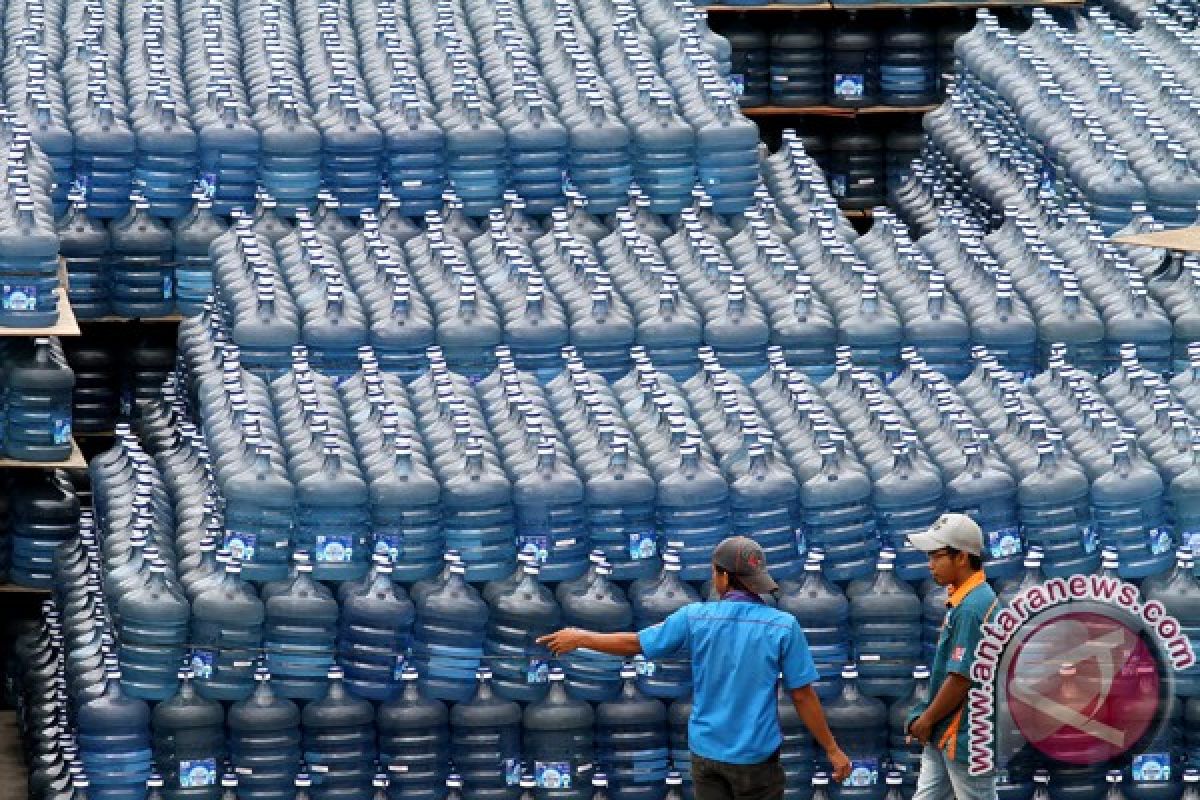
(741,556)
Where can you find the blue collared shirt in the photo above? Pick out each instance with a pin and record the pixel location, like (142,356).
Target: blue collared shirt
(738,649)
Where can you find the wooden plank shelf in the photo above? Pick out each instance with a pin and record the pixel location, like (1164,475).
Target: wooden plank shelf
(773,8)
(73,461)
(112,319)
(904,5)
(764,112)
(12,588)
(964,5)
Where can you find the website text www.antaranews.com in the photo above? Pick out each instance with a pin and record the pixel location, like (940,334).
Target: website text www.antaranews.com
(1035,600)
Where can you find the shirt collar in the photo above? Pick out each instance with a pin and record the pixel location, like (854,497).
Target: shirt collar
(960,592)
(738,596)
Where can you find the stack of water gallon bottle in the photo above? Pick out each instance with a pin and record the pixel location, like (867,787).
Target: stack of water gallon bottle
(354,573)
(893,62)
(408,437)
(156,120)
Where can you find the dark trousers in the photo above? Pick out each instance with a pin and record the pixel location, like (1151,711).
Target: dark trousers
(716,780)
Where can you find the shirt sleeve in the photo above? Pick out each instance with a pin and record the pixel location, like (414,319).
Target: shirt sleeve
(796,662)
(964,637)
(666,637)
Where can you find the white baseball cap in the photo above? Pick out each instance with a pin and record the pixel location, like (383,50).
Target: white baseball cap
(951,530)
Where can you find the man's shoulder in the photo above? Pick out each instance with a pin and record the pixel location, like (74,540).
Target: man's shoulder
(978,602)
(770,615)
(751,612)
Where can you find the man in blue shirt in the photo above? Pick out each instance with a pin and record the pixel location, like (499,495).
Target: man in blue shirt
(739,647)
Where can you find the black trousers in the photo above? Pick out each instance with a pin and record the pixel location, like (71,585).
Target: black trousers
(716,780)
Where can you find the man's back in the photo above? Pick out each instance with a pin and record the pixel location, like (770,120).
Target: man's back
(739,648)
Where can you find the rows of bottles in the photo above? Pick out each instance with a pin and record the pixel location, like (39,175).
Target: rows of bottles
(1089,115)
(1079,471)
(398,687)
(851,62)
(300,434)
(138,265)
(473,96)
(790,272)
(352,539)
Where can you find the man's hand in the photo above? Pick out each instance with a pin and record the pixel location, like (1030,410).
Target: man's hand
(563,641)
(921,730)
(568,639)
(839,762)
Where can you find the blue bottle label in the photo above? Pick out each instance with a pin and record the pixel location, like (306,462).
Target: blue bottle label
(335,548)
(849,86)
(1160,541)
(538,546)
(1048,177)
(1004,542)
(512,772)
(552,774)
(801,541)
(390,545)
(208,184)
(1152,767)
(197,772)
(738,82)
(241,545)
(538,671)
(201,662)
(398,669)
(168,285)
(642,545)
(837,185)
(864,772)
(18,297)
(644,667)
(62,430)
(1090,539)
(1191,540)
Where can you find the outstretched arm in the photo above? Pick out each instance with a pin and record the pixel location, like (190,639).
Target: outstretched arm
(568,639)
(808,706)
